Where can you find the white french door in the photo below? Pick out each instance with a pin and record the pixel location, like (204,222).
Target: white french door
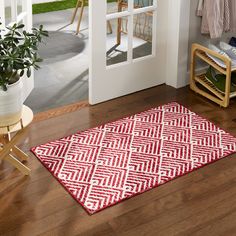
(127,47)
(18,11)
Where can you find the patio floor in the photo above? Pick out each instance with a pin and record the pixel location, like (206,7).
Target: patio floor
(63,77)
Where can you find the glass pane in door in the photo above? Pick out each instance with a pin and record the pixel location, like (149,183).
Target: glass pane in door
(142,34)
(142,3)
(117,41)
(116,6)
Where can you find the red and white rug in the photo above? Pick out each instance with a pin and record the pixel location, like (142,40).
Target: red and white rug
(107,164)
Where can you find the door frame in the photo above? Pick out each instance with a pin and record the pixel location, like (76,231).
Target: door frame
(178,50)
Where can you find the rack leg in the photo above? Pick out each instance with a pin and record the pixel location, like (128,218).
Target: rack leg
(227,85)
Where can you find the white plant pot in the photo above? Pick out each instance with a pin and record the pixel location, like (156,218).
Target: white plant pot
(11,103)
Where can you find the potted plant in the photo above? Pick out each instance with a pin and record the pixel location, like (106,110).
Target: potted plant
(18,56)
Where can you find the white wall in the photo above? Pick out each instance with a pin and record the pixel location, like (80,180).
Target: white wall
(177,43)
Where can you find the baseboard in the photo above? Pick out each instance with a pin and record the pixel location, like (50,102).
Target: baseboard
(60,111)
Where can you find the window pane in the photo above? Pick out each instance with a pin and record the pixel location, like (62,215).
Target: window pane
(142,3)
(116,6)
(117,41)
(142,41)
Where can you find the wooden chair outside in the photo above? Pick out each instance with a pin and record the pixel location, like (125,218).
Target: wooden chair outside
(81,4)
(142,22)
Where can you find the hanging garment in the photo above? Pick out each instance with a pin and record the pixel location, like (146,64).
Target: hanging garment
(227,15)
(215,17)
(232,7)
(200,7)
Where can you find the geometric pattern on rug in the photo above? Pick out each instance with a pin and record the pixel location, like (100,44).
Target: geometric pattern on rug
(105,165)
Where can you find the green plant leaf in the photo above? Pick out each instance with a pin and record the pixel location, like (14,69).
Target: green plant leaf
(20,26)
(29,72)
(22,73)
(19,52)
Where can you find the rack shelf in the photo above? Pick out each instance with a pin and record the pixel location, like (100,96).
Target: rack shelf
(210,91)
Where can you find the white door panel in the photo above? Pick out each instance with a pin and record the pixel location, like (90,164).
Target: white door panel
(108,82)
(18,11)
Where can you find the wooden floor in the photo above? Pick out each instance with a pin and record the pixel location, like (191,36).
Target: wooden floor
(201,203)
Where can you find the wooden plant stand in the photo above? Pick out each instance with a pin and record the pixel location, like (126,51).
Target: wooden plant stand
(199,51)
(8,150)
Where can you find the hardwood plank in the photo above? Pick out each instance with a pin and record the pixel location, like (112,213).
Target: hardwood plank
(225,218)
(215,227)
(161,222)
(206,217)
(100,230)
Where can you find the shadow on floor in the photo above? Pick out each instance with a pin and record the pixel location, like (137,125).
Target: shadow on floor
(60,46)
(140,51)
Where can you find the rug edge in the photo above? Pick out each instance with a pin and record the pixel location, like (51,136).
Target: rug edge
(136,194)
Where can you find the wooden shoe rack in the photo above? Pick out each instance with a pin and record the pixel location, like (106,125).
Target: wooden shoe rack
(207,89)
